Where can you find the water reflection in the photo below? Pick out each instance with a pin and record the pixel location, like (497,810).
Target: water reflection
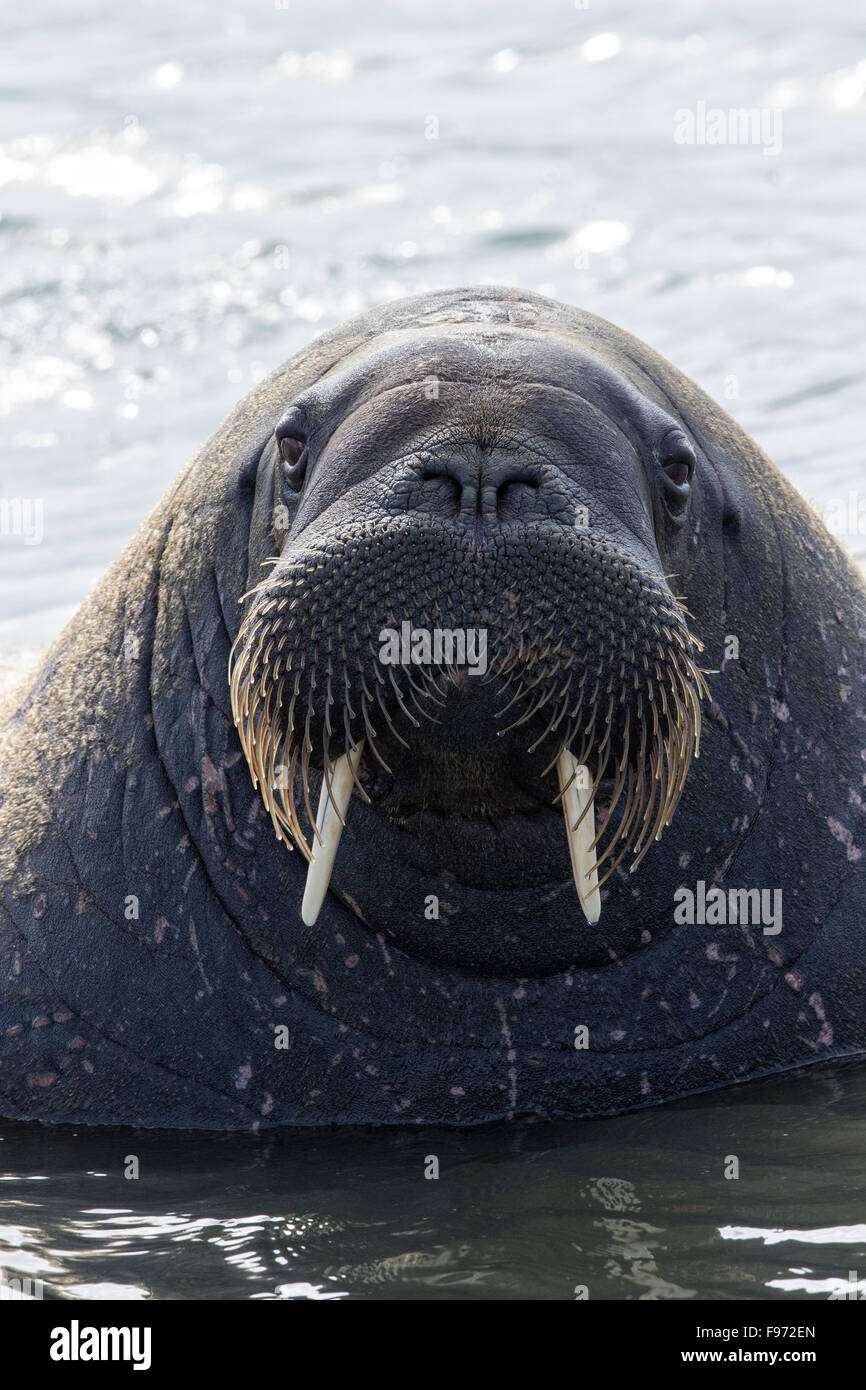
(636,1207)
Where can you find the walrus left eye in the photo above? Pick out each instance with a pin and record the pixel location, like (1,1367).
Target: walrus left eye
(293,452)
(677,462)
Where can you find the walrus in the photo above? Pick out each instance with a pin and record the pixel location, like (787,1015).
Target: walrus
(474,730)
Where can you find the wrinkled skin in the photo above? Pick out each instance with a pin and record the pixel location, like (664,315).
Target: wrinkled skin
(151,941)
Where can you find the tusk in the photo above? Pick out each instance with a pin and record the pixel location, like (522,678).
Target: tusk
(575,786)
(329,823)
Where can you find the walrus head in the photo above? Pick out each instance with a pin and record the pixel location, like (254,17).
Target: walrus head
(471,625)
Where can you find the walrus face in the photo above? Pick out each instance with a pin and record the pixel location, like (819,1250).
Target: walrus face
(469,626)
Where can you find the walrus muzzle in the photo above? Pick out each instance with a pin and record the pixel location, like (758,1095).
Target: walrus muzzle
(591,669)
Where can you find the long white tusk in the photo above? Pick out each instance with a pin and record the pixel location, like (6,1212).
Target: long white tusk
(329,823)
(575,784)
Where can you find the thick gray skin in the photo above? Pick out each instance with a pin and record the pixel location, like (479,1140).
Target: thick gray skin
(123,778)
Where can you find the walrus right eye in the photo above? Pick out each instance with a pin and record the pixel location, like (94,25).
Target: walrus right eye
(293,452)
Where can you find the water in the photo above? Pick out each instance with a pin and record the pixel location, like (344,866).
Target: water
(633,1207)
(188,193)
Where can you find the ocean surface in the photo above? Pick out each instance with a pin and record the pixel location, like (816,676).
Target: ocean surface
(189,193)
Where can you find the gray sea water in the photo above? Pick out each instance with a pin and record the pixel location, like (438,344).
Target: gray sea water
(188,193)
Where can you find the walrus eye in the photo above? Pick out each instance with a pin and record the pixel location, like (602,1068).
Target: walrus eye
(677,462)
(293,452)
(677,471)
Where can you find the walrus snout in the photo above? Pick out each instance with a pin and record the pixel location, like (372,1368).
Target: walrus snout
(358,639)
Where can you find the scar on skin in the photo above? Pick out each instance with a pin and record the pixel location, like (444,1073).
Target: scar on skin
(841,833)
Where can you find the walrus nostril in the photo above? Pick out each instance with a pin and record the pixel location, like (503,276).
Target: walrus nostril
(444,490)
(494,491)
(515,496)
